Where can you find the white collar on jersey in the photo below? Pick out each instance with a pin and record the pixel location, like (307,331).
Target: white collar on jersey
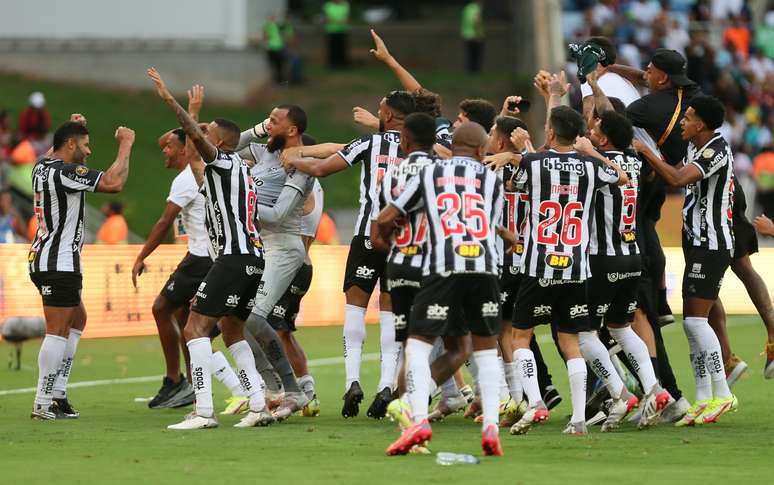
(417,152)
(555,151)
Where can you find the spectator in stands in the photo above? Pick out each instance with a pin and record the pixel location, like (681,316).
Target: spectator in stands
(6,135)
(337,30)
(35,121)
(763,172)
(738,35)
(473,35)
(114,230)
(274,43)
(11,230)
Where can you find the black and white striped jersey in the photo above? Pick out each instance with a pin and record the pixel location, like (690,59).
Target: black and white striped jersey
(709,203)
(515,209)
(462,201)
(408,246)
(561,188)
(375,153)
(231,216)
(58,191)
(613,223)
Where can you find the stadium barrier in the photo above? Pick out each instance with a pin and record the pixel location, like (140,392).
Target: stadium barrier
(116,308)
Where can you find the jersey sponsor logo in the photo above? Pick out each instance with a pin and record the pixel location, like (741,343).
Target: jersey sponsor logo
(541,311)
(171,286)
(602,309)
(490,309)
(696,272)
(558,260)
(632,307)
(250,303)
(253,270)
(437,312)
(80,180)
(569,165)
(365,272)
(518,248)
(400,321)
(403,283)
(279,311)
(200,292)
(708,153)
(471,251)
(628,236)
(31,256)
(503,296)
(81,170)
(514,269)
(232,301)
(579,311)
(46,291)
(410,250)
(368,244)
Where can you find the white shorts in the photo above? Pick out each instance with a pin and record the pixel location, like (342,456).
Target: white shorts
(284,255)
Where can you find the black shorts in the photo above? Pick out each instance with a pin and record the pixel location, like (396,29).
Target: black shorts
(229,287)
(456,305)
(59,288)
(745,238)
(509,289)
(403,283)
(560,302)
(704,271)
(612,289)
(365,266)
(182,284)
(283,315)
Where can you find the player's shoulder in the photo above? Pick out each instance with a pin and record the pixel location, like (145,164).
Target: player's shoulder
(714,151)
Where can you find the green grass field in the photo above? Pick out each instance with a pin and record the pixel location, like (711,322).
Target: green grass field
(120,441)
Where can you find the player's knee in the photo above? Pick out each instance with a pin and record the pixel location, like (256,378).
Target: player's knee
(161,308)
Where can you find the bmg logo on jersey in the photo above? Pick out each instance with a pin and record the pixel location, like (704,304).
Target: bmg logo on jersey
(558,260)
(365,272)
(469,250)
(437,312)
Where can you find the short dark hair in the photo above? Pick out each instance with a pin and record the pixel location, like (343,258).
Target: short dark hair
(68,130)
(401,101)
(421,126)
(427,101)
(607,46)
(618,106)
(296,115)
(480,111)
(231,131)
(709,109)
(567,124)
(180,134)
(506,124)
(116,207)
(617,128)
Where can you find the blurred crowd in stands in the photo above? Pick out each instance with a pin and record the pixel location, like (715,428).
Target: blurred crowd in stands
(729,48)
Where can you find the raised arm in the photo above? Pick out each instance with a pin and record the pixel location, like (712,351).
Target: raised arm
(597,99)
(206,149)
(676,177)
(584,146)
(631,74)
(407,80)
(315,167)
(114,178)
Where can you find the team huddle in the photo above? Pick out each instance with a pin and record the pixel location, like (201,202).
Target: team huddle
(474,235)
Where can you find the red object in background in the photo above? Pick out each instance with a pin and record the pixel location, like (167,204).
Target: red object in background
(34,122)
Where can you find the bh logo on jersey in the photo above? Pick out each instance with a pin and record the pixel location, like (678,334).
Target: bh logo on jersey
(232,301)
(410,250)
(437,312)
(365,272)
(490,309)
(628,236)
(559,261)
(469,250)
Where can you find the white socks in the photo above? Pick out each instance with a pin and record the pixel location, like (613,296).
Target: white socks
(418,377)
(354,336)
(223,372)
(576,370)
(60,387)
(389,350)
(637,353)
(512,377)
(49,362)
(596,354)
(528,370)
(201,374)
(473,368)
(489,372)
(503,391)
(449,389)
(248,376)
(306,383)
(706,359)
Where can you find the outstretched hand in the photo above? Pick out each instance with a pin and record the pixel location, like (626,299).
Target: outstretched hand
(379,51)
(558,86)
(541,81)
(764,225)
(124,135)
(505,111)
(161,86)
(363,117)
(195,100)
(584,146)
(519,138)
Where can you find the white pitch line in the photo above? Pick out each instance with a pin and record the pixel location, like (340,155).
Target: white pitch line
(136,380)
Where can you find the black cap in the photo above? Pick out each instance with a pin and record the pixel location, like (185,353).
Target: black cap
(673,64)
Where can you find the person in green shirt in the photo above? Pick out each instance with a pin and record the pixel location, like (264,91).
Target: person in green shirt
(274,43)
(337,31)
(473,35)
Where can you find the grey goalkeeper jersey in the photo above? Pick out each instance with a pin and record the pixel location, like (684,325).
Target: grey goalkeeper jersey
(270,179)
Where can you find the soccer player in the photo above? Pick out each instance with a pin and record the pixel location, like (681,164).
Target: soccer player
(365,266)
(708,245)
(614,257)
(228,290)
(459,295)
(59,181)
(280,201)
(561,184)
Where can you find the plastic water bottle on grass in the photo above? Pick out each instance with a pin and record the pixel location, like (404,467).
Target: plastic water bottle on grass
(445,458)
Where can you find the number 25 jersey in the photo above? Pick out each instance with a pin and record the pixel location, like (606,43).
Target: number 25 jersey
(462,200)
(561,188)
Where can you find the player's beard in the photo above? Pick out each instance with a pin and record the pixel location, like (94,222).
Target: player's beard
(276,142)
(79,157)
